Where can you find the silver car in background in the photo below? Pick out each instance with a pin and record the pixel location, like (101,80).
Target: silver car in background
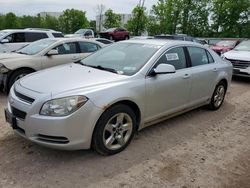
(101,101)
(42,54)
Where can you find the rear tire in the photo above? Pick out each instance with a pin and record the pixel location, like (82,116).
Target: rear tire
(114,130)
(16,76)
(218,96)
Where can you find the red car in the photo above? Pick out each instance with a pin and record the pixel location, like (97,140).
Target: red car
(115,34)
(224,46)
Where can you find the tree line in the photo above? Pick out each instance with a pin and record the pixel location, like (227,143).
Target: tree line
(202,18)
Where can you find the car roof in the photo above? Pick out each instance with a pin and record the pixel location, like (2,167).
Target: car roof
(29,30)
(161,42)
(58,40)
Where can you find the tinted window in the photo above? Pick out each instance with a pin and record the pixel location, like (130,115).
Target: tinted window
(67,48)
(57,35)
(175,57)
(104,41)
(31,37)
(16,37)
(88,33)
(87,47)
(198,56)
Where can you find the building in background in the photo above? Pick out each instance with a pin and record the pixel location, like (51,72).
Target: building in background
(101,19)
(53,14)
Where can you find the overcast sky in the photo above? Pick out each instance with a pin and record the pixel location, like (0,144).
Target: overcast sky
(32,7)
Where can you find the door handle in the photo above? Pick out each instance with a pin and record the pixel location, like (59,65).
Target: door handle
(215,69)
(186,76)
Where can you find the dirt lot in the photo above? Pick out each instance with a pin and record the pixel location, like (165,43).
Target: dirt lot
(198,149)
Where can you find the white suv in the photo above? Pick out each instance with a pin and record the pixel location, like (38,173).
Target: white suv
(14,39)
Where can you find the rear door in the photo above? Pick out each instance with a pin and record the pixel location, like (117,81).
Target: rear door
(67,53)
(168,93)
(204,72)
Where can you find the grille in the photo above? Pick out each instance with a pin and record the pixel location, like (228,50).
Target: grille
(52,139)
(240,64)
(24,97)
(18,113)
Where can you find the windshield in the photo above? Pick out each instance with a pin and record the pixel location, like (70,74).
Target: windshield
(81,31)
(36,47)
(229,43)
(110,30)
(123,58)
(2,33)
(243,46)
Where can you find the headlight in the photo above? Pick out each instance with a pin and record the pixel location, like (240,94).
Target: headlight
(63,106)
(3,69)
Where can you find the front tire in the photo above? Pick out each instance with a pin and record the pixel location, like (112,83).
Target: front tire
(114,130)
(16,76)
(218,96)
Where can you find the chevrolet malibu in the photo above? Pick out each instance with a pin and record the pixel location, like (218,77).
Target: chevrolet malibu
(102,100)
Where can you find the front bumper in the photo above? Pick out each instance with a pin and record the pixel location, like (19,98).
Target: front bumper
(241,72)
(71,132)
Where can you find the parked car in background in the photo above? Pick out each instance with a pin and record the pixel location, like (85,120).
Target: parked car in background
(43,54)
(115,34)
(177,37)
(101,101)
(240,58)
(213,41)
(85,33)
(14,39)
(224,46)
(142,37)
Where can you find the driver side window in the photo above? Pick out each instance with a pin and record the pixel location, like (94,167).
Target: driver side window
(175,57)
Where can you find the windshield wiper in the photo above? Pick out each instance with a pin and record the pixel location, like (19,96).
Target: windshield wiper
(96,67)
(101,68)
(20,52)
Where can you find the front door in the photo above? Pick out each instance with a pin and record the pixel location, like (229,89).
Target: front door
(168,93)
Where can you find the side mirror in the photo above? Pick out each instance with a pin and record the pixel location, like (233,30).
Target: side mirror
(5,41)
(52,52)
(163,69)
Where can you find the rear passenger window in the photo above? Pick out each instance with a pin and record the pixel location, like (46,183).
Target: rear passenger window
(31,37)
(175,57)
(198,56)
(104,41)
(57,35)
(87,47)
(67,48)
(210,58)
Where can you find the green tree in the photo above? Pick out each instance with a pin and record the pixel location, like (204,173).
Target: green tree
(195,15)
(111,19)
(72,20)
(11,21)
(2,18)
(230,18)
(30,21)
(50,22)
(166,14)
(138,23)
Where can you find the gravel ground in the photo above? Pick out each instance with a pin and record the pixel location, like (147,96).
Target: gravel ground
(198,149)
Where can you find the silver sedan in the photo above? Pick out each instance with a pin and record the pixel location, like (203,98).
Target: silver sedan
(101,101)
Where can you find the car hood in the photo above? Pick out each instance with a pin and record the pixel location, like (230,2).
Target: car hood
(67,78)
(9,56)
(238,55)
